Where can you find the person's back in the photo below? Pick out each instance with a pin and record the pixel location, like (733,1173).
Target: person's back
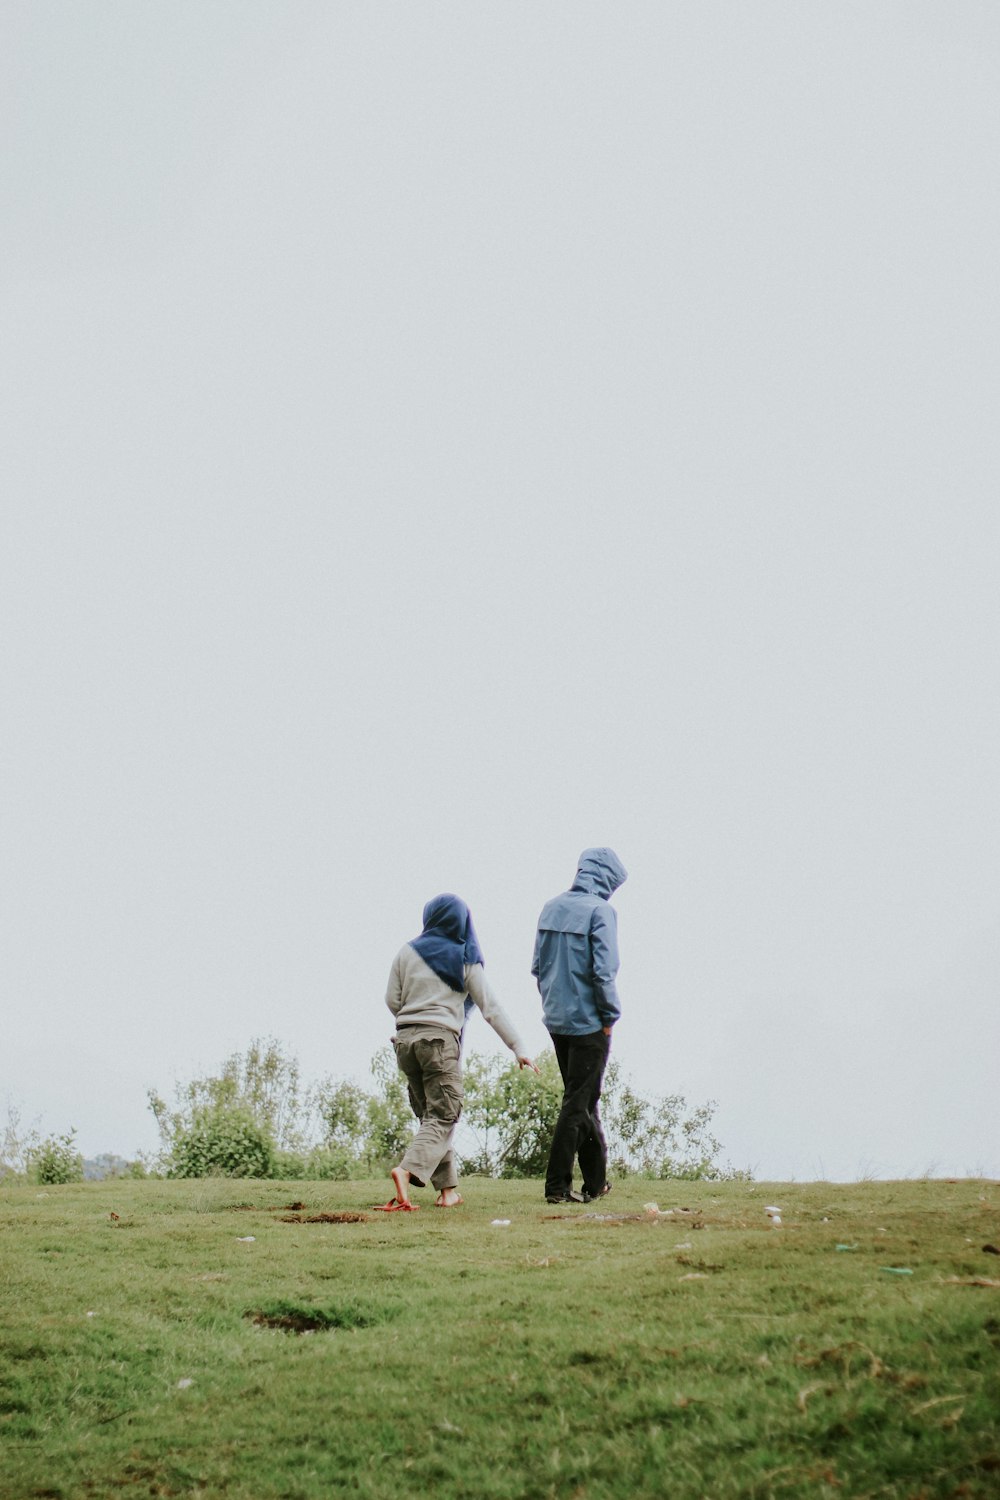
(576,949)
(575,963)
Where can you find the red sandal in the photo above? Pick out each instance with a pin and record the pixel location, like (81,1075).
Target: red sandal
(395,1206)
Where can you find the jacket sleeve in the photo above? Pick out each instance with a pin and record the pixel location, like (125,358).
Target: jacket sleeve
(394,989)
(604,955)
(493,1011)
(536,958)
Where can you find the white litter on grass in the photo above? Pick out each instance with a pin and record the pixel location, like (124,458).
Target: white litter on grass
(772,1208)
(91,1315)
(656,1212)
(499,1223)
(773,1213)
(685,1246)
(246,1239)
(182,1385)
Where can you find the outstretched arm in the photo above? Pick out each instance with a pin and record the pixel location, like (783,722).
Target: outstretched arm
(494,1013)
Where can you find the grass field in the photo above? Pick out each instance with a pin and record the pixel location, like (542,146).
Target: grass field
(698,1353)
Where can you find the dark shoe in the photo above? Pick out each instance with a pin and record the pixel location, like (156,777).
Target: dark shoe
(569,1197)
(592,1197)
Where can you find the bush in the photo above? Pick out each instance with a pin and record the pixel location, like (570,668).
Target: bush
(222,1141)
(56,1160)
(365,1132)
(512,1114)
(321,1164)
(252,1121)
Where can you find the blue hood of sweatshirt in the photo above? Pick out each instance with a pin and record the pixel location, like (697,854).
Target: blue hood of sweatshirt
(599,872)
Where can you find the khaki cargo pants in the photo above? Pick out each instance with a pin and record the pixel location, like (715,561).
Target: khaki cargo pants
(429,1058)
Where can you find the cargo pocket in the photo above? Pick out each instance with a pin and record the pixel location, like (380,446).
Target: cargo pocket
(443,1080)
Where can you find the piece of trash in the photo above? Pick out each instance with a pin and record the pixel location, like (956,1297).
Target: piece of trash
(897,1270)
(772,1208)
(91,1315)
(182,1385)
(685,1246)
(114,1218)
(656,1212)
(775,1220)
(447,1426)
(848,1247)
(693,1276)
(824,1221)
(246,1239)
(990,1250)
(499,1223)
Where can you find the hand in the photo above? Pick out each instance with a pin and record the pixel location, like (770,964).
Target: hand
(525,1062)
(606,1030)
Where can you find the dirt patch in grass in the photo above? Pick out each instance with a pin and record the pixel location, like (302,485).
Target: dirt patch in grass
(301,1317)
(274,1208)
(341,1218)
(290,1322)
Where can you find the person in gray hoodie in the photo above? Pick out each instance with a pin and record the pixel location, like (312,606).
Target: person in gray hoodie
(575,963)
(434,982)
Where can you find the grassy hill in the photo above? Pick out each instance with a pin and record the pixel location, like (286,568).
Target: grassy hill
(204,1338)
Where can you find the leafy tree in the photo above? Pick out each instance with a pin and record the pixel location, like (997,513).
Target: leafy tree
(658,1137)
(265,1082)
(512,1116)
(232,1123)
(369,1128)
(17,1144)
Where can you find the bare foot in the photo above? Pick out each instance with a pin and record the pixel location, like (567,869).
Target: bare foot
(448,1198)
(401,1182)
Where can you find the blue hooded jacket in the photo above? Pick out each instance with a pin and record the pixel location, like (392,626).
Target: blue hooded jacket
(576,949)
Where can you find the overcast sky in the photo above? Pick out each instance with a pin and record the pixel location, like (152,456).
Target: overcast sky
(438,437)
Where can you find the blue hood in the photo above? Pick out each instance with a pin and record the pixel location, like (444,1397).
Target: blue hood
(448,941)
(599,872)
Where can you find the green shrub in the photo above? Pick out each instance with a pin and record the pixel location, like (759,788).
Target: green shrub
(512,1115)
(222,1141)
(56,1160)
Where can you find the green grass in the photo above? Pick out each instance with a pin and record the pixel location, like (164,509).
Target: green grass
(559,1356)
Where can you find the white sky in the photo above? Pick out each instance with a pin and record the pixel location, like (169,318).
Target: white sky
(439,437)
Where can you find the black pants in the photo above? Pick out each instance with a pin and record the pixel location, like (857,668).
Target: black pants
(582,1060)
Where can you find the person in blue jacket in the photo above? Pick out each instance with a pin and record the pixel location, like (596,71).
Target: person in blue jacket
(575,964)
